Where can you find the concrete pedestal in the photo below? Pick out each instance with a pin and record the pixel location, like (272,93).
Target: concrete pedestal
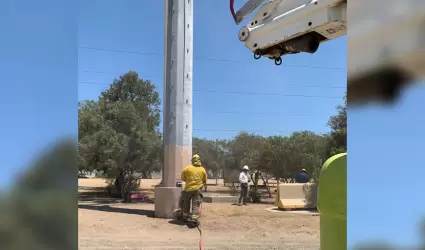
(296,195)
(166,201)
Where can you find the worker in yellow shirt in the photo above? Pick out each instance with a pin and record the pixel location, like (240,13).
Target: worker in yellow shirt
(195,178)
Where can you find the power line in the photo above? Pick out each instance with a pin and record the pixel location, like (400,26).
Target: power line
(261,113)
(253,131)
(238,130)
(229,83)
(243,93)
(257,113)
(116,73)
(267,94)
(204,58)
(283,85)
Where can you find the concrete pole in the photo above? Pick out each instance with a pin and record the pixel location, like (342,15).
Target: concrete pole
(177,111)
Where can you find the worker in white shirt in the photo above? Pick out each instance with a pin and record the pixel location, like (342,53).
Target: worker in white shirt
(244,179)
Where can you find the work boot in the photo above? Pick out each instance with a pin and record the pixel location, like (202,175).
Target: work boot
(193,222)
(245,204)
(185,217)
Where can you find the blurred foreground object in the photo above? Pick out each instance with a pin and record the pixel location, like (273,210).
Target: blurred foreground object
(386,45)
(386,48)
(40,211)
(332,203)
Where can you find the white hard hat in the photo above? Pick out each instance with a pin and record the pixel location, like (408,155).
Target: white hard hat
(245,167)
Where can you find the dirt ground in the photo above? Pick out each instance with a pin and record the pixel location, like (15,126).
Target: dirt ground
(109,225)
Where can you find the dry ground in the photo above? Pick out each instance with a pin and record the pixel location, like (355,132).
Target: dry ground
(132,226)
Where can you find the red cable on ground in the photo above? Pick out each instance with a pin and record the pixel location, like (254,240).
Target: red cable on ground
(232,9)
(200,231)
(200,240)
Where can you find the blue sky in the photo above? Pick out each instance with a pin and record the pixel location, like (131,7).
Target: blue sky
(385,170)
(39,64)
(137,26)
(38,68)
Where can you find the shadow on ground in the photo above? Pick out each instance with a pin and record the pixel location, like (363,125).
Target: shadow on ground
(306,210)
(144,212)
(312,211)
(181,223)
(97,197)
(94,189)
(109,209)
(100,195)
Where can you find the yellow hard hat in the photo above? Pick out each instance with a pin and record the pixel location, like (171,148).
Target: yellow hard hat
(303,170)
(196,160)
(196,157)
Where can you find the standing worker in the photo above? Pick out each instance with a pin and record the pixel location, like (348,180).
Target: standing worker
(195,178)
(302,176)
(244,179)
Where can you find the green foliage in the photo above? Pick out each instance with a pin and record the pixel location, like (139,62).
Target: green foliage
(245,150)
(118,134)
(254,195)
(284,156)
(338,136)
(233,191)
(214,154)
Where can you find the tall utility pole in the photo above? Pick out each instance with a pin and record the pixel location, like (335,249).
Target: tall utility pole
(177,111)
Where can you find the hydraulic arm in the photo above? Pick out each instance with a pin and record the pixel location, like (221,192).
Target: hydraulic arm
(282,27)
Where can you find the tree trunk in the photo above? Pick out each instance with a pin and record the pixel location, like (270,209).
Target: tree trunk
(118,184)
(126,191)
(265,181)
(256,182)
(127,197)
(144,175)
(126,186)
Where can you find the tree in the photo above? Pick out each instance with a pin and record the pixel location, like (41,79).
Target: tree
(274,157)
(140,93)
(284,156)
(309,152)
(245,150)
(92,136)
(338,125)
(214,155)
(206,150)
(118,136)
(119,133)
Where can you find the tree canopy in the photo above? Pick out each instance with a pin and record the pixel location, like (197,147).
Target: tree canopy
(338,125)
(119,137)
(118,134)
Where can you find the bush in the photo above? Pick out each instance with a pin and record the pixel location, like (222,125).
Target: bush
(254,196)
(233,190)
(114,189)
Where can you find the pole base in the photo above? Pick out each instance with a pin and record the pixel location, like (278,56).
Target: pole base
(166,201)
(177,214)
